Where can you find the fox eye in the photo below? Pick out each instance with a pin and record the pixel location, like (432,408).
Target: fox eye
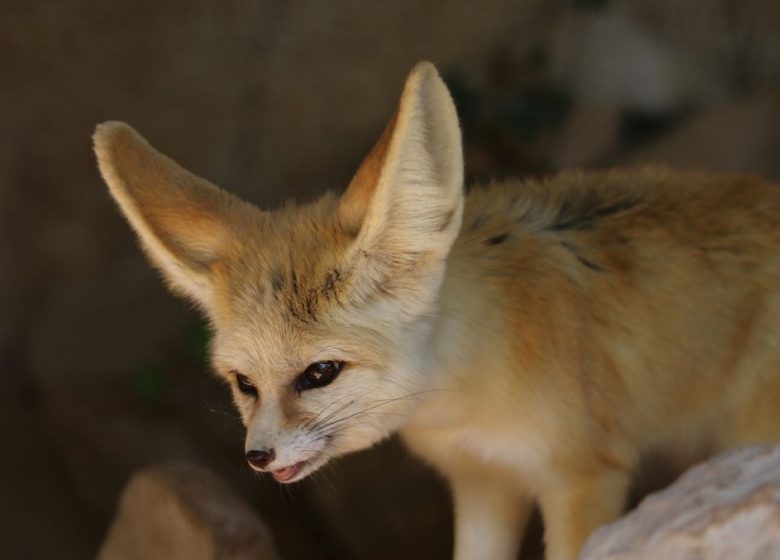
(318,374)
(244,385)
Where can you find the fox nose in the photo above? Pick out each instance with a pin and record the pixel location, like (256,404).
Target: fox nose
(259,458)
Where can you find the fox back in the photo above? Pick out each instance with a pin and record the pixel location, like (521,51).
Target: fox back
(532,340)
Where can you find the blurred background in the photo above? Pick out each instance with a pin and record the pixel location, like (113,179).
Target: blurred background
(102,372)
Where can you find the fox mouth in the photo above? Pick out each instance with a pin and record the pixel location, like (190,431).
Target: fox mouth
(287,474)
(297,471)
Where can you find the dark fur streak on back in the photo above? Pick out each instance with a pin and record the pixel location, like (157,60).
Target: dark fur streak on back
(582,213)
(498,239)
(478,222)
(574,250)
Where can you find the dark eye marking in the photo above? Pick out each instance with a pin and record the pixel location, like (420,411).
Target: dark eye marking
(318,375)
(245,385)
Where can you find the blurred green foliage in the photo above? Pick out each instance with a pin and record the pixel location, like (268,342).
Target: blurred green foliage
(196,342)
(148,382)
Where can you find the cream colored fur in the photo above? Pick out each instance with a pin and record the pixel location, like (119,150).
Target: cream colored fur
(532,340)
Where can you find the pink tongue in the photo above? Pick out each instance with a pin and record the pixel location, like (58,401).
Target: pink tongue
(288,472)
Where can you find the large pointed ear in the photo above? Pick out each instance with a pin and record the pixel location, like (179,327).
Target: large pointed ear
(186,225)
(406,200)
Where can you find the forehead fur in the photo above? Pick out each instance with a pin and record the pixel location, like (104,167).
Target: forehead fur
(290,265)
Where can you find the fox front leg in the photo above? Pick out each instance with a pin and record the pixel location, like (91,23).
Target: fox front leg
(576,505)
(489,518)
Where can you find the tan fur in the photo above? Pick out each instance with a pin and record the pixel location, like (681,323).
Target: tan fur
(536,352)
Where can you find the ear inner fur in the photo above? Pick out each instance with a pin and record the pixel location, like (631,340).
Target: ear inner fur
(185,223)
(416,164)
(356,199)
(405,201)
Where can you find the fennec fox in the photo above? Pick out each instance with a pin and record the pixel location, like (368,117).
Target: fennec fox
(531,340)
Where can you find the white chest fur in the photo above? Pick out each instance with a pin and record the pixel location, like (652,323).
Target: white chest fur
(448,435)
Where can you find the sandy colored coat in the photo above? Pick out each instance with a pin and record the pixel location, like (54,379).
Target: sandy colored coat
(532,340)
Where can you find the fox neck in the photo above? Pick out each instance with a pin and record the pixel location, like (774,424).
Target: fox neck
(464,343)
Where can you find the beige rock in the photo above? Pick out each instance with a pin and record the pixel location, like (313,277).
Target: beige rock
(725,509)
(180,511)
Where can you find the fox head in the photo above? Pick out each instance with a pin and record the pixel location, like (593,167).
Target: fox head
(320,313)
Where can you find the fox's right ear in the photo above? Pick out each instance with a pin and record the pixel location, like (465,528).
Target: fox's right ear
(405,202)
(186,225)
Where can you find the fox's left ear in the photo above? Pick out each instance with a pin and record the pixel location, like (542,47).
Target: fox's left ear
(405,202)
(186,225)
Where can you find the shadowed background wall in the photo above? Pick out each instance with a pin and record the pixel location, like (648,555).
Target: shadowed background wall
(102,372)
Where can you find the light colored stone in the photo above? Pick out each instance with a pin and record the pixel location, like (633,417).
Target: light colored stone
(183,512)
(725,509)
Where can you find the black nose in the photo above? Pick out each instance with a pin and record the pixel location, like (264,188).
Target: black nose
(259,458)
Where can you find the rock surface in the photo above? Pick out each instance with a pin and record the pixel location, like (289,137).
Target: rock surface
(725,509)
(180,511)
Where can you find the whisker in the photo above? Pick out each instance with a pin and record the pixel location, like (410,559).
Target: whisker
(368,412)
(329,416)
(380,403)
(320,413)
(335,412)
